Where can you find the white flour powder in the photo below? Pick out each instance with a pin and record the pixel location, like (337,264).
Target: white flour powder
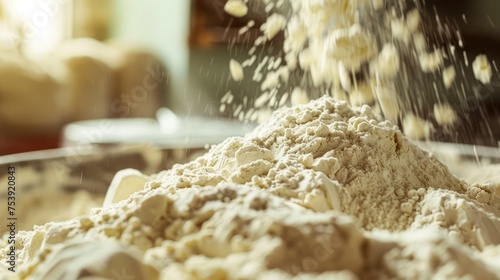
(344,47)
(320,190)
(260,207)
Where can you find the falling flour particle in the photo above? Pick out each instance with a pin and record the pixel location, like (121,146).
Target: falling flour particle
(415,127)
(250,61)
(482,69)
(388,101)
(387,64)
(444,114)
(261,100)
(269,7)
(430,62)
(361,95)
(236,70)
(299,96)
(236,8)
(352,46)
(283,100)
(449,75)
(244,29)
(400,30)
(345,80)
(420,42)
(227,98)
(274,24)
(413,20)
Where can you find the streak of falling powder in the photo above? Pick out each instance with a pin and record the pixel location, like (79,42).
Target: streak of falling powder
(436,90)
(485,117)
(495,66)
(221,83)
(189,112)
(464,18)
(476,155)
(464,95)
(468,85)
(447,31)
(466,116)
(462,69)
(242,31)
(452,51)
(247,39)
(81,177)
(257,5)
(226,30)
(438,20)
(231,48)
(460,41)
(490,21)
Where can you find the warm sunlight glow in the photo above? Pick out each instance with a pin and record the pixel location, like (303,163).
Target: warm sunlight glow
(39,22)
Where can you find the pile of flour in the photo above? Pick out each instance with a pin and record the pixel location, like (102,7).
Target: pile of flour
(319,190)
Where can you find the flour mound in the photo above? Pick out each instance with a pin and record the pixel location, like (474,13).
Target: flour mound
(326,155)
(224,231)
(260,207)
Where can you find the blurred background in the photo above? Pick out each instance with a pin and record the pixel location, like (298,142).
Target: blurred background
(64,64)
(64,61)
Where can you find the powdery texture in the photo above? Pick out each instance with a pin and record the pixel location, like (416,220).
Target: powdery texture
(259,207)
(323,156)
(425,254)
(208,233)
(472,218)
